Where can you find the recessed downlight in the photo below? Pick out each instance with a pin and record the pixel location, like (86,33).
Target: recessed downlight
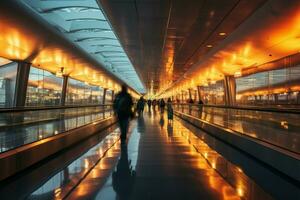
(209,46)
(222,33)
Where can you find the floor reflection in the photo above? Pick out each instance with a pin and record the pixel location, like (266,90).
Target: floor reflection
(124,177)
(170,129)
(161,121)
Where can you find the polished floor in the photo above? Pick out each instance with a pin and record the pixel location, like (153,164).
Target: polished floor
(161,160)
(156,165)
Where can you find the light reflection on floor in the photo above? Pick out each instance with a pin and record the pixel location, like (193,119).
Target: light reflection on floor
(61,184)
(101,175)
(244,186)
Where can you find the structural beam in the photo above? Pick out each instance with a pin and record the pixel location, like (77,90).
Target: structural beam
(64,90)
(112,95)
(230,90)
(190,93)
(21,84)
(104,95)
(199,93)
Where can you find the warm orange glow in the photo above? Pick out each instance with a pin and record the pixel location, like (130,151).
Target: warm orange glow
(17,44)
(271,39)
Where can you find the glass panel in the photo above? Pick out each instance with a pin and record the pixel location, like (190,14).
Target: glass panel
(8,74)
(275,87)
(81,93)
(44,88)
(213,93)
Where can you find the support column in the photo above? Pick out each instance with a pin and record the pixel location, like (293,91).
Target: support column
(21,84)
(199,92)
(112,96)
(104,95)
(182,97)
(190,93)
(64,90)
(229,90)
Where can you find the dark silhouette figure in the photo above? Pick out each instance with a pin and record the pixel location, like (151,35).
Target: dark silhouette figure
(140,106)
(154,103)
(149,102)
(191,101)
(123,178)
(162,105)
(200,102)
(170,111)
(123,109)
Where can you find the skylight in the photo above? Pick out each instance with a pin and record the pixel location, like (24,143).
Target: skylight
(85,24)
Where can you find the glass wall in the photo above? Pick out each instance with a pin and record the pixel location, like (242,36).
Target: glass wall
(82,93)
(44,88)
(213,93)
(275,87)
(108,97)
(8,74)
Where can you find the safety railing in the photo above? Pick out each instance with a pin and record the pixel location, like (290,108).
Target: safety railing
(274,127)
(23,127)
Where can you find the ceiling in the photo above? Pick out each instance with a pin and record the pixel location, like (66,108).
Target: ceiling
(84,24)
(164,38)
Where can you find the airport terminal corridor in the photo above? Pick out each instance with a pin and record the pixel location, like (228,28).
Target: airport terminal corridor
(217,83)
(161,160)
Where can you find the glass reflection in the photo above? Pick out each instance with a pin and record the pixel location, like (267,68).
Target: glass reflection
(62,183)
(8,73)
(79,92)
(275,87)
(44,88)
(281,129)
(20,128)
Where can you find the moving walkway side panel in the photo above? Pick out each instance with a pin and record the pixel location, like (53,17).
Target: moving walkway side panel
(280,159)
(18,159)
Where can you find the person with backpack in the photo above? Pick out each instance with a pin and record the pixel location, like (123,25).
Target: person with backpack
(123,109)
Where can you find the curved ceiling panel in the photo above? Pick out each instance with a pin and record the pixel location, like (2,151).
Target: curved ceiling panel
(85,24)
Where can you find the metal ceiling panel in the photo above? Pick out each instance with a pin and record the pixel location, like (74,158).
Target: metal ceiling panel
(164,38)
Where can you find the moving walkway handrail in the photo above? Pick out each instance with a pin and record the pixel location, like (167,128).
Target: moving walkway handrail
(252,108)
(24,109)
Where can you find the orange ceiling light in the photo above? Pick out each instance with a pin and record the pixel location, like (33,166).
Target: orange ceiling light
(254,43)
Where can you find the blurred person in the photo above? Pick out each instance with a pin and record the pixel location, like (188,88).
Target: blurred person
(123,108)
(140,106)
(154,103)
(149,102)
(170,111)
(162,105)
